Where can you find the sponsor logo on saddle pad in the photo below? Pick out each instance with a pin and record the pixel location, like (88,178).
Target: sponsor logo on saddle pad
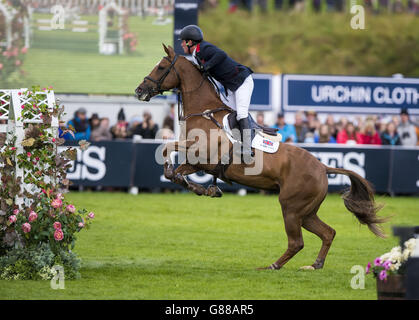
(261,141)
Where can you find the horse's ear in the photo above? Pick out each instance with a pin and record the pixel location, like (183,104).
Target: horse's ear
(172,51)
(166,49)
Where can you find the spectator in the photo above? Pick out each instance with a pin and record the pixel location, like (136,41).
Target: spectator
(406,130)
(347,135)
(102,132)
(170,118)
(390,135)
(316,5)
(166,132)
(368,134)
(287,131)
(94,121)
(260,119)
(300,127)
(324,135)
(313,123)
(146,129)
(120,129)
(81,126)
(330,121)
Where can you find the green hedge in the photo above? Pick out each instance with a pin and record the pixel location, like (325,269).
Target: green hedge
(317,43)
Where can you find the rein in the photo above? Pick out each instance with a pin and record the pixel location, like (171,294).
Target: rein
(207,114)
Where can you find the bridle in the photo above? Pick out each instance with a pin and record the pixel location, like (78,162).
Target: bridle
(208,114)
(159,82)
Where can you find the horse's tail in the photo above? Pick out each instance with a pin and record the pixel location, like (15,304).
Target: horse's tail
(359,200)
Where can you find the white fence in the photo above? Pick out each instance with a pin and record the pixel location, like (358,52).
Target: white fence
(11,102)
(133,6)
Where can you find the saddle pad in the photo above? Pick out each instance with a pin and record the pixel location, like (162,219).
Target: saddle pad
(261,140)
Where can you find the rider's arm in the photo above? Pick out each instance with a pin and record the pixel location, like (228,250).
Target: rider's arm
(213,56)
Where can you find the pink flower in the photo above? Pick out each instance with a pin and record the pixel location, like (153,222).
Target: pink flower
(29,154)
(377,262)
(58,235)
(81,224)
(1,66)
(53,139)
(387,264)
(383,275)
(16,211)
(12,219)
(24,50)
(368,268)
(18,62)
(33,216)
(56,203)
(91,215)
(71,208)
(26,227)
(57,225)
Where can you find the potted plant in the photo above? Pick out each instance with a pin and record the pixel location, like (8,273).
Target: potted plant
(389,270)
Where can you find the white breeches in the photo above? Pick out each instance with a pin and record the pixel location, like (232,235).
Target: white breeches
(239,100)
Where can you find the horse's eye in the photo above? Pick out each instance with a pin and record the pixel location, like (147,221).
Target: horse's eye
(160,68)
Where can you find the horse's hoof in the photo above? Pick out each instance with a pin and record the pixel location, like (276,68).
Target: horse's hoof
(168,170)
(307,268)
(214,192)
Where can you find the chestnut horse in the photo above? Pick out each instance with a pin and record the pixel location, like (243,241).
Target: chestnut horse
(295,173)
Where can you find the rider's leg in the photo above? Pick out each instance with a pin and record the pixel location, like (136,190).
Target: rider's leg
(243,95)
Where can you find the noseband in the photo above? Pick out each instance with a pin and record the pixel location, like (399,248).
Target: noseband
(159,82)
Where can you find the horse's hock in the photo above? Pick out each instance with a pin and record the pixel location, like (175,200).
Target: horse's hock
(13,124)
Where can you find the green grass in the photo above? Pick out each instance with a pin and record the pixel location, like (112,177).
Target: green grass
(180,246)
(70,61)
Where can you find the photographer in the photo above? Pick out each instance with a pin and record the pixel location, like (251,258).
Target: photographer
(146,129)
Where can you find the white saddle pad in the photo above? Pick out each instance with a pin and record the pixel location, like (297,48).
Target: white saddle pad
(261,141)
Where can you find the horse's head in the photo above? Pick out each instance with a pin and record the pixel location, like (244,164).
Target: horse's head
(163,77)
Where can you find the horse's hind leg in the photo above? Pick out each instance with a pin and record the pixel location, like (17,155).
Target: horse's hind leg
(326,233)
(295,240)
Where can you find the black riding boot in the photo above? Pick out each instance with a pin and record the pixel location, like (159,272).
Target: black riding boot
(247,154)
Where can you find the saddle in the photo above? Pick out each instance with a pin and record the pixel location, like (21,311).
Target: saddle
(263,138)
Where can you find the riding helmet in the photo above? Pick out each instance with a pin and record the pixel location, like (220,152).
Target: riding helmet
(192,32)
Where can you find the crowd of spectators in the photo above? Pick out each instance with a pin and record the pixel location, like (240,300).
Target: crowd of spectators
(307,128)
(98,129)
(374,6)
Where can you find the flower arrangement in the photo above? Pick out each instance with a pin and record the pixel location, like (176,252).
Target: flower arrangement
(130,42)
(42,232)
(393,262)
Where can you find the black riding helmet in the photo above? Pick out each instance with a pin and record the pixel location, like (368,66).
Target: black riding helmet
(192,32)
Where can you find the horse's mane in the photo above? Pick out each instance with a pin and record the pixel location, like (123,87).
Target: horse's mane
(211,85)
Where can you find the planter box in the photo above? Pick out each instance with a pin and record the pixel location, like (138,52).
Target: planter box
(392,289)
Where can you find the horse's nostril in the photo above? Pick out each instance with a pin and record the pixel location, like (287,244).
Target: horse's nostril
(138,90)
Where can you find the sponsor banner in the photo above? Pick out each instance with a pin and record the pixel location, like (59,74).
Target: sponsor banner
(150,175)
(349,94)
(371,164)
(262,92)
(186,13)
(106,164)
(124,164)
(405,173)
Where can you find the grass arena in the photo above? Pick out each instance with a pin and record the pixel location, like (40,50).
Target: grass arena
(155,246)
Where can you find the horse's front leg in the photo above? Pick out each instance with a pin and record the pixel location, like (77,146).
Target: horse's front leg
(178,176)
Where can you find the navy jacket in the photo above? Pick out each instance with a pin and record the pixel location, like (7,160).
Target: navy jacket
(220,66)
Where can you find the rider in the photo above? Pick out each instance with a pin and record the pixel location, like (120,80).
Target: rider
(236,78)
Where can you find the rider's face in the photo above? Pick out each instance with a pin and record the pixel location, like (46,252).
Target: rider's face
(185,46)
